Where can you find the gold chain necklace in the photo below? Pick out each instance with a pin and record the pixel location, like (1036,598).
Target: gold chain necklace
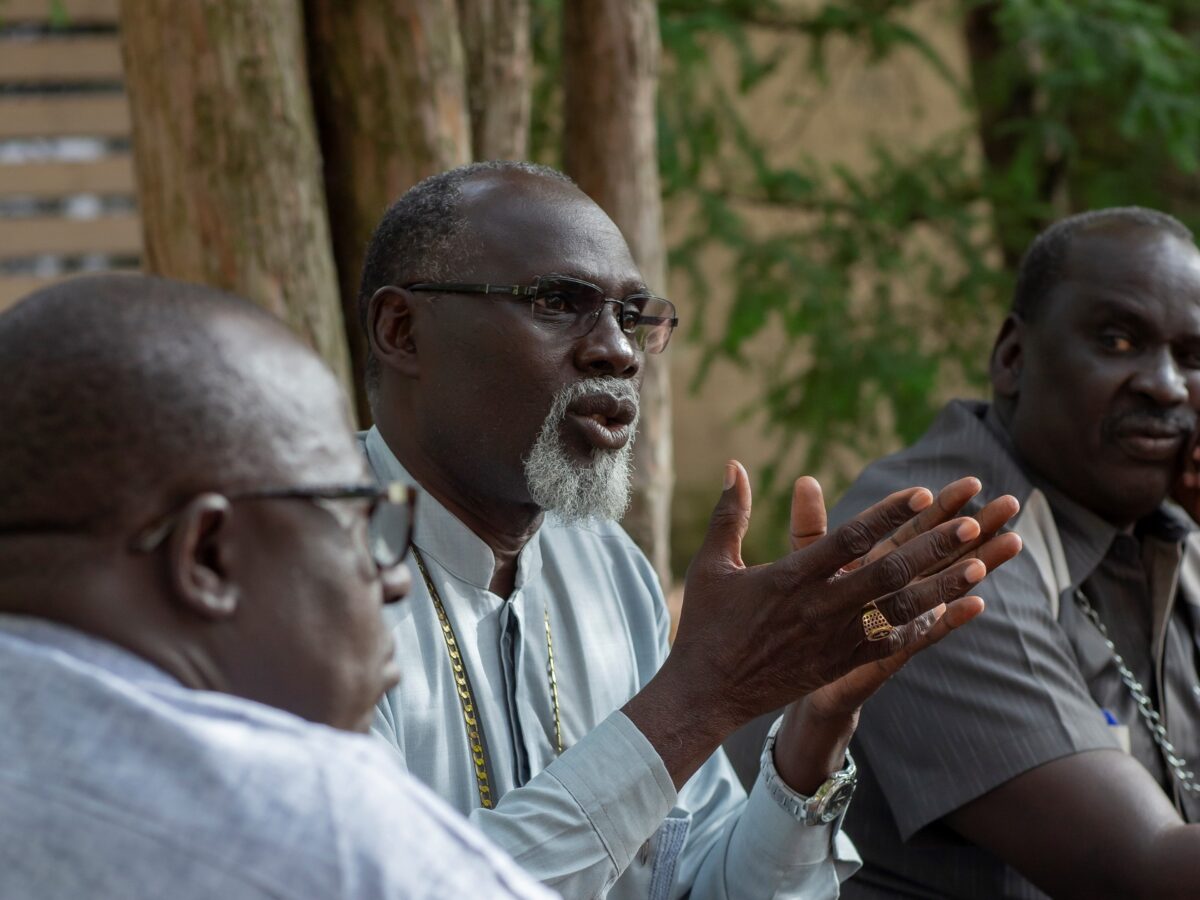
(466,696)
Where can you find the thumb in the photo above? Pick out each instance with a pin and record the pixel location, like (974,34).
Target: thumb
(729,521)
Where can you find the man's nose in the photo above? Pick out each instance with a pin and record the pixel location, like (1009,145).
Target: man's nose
(1162,380)
(606,349)
(397,582)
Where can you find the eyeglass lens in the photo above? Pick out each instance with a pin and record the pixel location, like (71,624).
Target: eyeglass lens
(572,306)
(390,532)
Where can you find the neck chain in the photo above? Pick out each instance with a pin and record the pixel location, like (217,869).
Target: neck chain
(466,696)
(1184,777)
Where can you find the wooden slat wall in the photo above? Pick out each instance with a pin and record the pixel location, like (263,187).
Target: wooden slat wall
(61,59)
(58,84)
(79,12)
(64,115)
(110,175)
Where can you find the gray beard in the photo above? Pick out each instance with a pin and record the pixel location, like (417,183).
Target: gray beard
(575,492)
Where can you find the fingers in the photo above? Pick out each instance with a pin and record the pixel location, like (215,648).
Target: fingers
(946,505)
(808,521)
(895,570)
(730,519)
(998,550)
(907,604)
(991,519)
(997,514)
(856,538)
(880,661)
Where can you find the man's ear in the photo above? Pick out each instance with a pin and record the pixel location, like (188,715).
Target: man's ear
(198,553)
(1008,357)
(390,330)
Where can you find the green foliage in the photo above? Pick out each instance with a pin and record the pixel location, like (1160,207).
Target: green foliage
(880,292)
(862,298)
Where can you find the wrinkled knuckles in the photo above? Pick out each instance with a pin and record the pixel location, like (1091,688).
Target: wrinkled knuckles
(953,586)
(901,607)
(893,572)
(854,539)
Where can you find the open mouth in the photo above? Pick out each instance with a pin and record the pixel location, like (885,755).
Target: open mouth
(605,422)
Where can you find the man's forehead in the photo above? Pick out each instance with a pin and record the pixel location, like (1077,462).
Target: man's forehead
(1137,265)
(520,225)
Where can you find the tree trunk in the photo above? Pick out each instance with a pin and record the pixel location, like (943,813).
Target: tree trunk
(228,167)
(610,71)
(1005,93)
(495,35)
(389,86)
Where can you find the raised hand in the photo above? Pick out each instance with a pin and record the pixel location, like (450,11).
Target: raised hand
(817,728)
(753,639)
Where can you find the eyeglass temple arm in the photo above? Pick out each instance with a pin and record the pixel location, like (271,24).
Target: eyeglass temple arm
(514,290)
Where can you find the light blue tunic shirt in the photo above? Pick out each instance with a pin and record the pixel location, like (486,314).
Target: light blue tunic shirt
(119,783)
(604,818)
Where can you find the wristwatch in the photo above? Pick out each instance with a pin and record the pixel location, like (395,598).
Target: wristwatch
(829,800)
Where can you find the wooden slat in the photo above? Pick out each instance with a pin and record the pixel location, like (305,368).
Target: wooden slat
(79,12)
(108,175)
(78,115)
(15,287)
(49,60)
(118,234)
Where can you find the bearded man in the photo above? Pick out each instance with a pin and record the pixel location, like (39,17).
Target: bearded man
(508,328)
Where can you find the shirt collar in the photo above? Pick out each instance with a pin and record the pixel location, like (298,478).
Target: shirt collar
(439,534)
(84,647)
(1086,537)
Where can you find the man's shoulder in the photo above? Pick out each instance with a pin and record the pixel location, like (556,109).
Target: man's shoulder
(960,442)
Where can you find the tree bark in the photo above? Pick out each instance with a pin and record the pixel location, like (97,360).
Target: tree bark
(496,38)
(1005,92)
(610,70)
(389,84)
(226,155)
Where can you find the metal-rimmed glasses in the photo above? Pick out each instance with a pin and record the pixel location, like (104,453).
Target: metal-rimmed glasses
(571,307)
(388,516)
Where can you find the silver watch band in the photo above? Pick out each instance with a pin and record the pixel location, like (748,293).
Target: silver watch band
(826,804)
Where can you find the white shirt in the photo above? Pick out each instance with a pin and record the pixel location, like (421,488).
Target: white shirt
(604,818)
(119,783)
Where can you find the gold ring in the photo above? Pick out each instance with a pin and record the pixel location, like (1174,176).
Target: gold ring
(875,624)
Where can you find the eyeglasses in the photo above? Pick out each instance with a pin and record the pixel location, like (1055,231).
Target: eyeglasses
(570,307)
(389,516)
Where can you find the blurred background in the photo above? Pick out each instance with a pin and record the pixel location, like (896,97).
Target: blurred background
(835,194)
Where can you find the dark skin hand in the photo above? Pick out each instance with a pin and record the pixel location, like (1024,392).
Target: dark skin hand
(828,716)
(754,639)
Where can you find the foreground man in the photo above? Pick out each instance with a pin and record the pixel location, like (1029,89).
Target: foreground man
(1020,757)
(183,524)
(538,694)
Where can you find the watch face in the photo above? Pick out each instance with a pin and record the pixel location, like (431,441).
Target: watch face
(836,800)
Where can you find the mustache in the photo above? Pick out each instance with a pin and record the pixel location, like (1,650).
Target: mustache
(1176,420)
(622,389)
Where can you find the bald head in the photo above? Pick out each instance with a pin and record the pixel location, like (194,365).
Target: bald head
(424,233)
(123,393)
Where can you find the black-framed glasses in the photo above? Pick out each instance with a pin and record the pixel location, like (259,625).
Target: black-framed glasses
(388,515)
(571,307)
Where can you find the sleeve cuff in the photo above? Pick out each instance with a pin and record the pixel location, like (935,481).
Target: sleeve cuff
(620,783)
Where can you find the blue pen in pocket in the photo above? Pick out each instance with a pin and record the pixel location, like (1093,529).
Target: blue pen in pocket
(1120,732)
